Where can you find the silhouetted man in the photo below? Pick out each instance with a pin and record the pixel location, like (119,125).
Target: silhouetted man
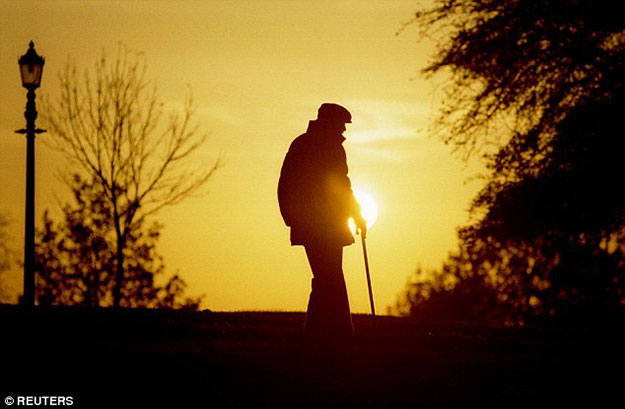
(316,201)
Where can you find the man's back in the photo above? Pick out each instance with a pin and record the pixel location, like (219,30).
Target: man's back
(314,191)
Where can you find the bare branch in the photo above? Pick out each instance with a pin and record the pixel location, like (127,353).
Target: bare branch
(108,122)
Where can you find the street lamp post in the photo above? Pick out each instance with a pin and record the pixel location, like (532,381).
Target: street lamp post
(31,68)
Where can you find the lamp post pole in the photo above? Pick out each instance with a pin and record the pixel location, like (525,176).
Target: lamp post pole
(29,235)
(31,66)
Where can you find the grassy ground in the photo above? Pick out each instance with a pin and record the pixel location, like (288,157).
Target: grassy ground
(108,358)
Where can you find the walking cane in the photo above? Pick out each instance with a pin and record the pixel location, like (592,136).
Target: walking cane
(364,252)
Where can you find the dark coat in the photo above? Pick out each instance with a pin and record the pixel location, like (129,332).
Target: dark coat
(314,192)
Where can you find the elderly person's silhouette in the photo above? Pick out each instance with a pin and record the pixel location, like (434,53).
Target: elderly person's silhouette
(316,201)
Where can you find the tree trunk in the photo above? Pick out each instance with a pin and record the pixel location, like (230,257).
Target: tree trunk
(96,288)
(119,273)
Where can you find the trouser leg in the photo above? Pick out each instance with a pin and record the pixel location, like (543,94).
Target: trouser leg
(328,306)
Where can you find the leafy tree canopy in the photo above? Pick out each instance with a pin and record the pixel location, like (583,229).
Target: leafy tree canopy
(75,260)
(536,88)
(543,81)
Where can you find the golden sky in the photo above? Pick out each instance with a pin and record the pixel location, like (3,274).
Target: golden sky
(258,71)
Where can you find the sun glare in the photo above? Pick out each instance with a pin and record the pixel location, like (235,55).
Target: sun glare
(368,209)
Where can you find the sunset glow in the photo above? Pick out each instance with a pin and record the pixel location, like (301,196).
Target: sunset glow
(258,71)
(368,209)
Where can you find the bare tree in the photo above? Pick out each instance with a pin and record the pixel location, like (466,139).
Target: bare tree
(109,121)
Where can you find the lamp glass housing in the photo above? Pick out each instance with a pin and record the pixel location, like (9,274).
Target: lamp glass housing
(31,68)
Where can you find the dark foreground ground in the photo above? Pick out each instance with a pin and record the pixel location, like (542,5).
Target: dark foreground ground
(126,358)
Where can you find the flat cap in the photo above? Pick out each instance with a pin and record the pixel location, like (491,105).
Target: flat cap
(334,112)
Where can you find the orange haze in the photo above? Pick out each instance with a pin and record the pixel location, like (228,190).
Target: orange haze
(258,71)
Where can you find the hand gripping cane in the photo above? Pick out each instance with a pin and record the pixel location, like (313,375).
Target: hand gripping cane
(364,252)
